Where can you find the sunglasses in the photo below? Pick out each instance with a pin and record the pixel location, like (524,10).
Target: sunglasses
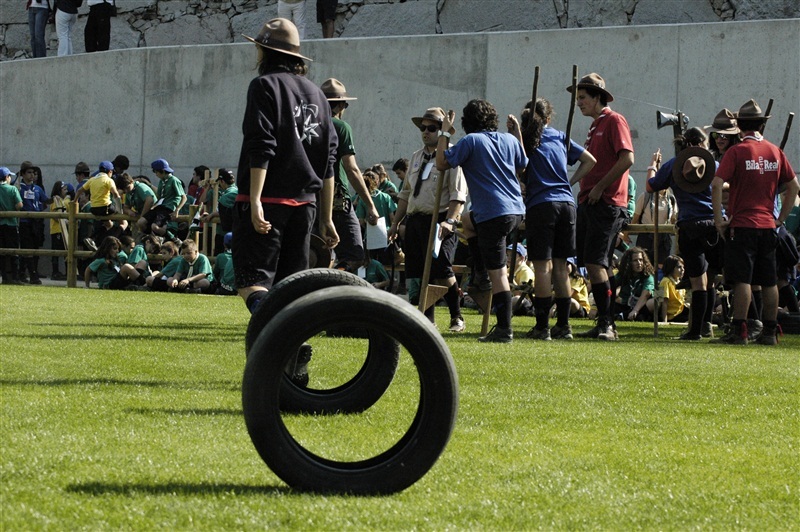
(429,129)
(716,136)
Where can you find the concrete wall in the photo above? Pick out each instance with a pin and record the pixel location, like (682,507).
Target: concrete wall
(186,103)
(147,23)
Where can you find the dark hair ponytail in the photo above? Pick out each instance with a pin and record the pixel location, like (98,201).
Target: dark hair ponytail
(533,123)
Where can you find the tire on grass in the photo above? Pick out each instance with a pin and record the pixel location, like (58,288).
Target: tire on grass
(365,387)
(407,460)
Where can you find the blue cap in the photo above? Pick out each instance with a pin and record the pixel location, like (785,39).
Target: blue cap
(228,239)
(70,188)
(106,166)
(521,251)
(5,172)
(572,260)
(161,165)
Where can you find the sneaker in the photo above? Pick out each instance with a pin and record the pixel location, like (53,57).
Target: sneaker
(538,334)
(561,333)
(731,338)
(457,324)
(35,279)
(690,336)
(769,336)
(297,369)
(591,333)
(498,335)
(754,328)
(707,330)
(608,333)
(89,244)
(58,276)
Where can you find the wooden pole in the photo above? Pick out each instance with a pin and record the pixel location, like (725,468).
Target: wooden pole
(786,130)
(428,293)
(572,99)
(72,242)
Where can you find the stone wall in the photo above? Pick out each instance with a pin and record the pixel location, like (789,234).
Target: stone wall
(149,23)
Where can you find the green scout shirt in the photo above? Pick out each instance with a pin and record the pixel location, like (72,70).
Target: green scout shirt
(138,253)
(135,198)
(105,273)
(228,197)
(170,191)
(172,266)
(200,265)
(9,199)
(219,264)
(630,293)
(384,204)
(345,134)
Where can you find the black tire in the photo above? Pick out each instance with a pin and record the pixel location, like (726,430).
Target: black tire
(390,471)
(365,387)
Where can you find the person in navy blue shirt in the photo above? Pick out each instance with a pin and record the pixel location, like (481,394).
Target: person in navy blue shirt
(490,161)
(550,214)
(701,246)
(31,230)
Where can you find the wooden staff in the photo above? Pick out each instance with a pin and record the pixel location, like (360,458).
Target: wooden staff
(573,97)
(786,130)
(535,88)
(769,107)
(214,208)
(429,292)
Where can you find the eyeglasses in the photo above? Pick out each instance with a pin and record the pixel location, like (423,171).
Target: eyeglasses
(429,129)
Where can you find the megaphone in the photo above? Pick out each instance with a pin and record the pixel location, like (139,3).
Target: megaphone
(666,119)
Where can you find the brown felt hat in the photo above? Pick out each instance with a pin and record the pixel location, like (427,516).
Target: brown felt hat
(334,91)
(25,166)
(593,81)
(751,111)
(281,35)
(435,114)
(724,123)
(694,169)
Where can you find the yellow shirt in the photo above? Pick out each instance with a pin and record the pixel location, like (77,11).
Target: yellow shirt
(100,189)
(55,226)
(580,292)
(675,298)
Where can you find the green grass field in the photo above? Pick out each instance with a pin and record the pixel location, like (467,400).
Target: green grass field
(122,410)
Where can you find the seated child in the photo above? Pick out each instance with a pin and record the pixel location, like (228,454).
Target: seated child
(636,283)
(673,305)
(106,265)
(158,281)
(194,273)
(374,273)
(137,268)
(220,263)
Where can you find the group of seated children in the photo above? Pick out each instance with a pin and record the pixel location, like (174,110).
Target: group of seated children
(120,264)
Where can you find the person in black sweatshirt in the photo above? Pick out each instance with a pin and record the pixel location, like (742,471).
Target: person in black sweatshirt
(287,158)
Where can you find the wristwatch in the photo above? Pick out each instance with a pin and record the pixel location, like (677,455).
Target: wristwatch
(451,221)
(444,134)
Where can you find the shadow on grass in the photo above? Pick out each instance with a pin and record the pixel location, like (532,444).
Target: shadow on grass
(175,488)
(211,385)
(187,411)
(179,334)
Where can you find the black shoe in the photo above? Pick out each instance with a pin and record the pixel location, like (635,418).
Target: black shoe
(754,328)
(58,276)
(769,336)
(89,244)
(707,330)
(498,335)
(8,280)
(591,333)
(297,368)
(690,336)
(608,333)
(539,334)
(35,279)
(561,333)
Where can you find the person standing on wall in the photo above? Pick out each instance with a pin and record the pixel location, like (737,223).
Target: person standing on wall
(66,17)
(326,16)
(38,13)
(97,34)
(294,10)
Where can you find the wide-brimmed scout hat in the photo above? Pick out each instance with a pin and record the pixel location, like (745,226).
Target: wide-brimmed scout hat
(724,123)
(435,114)
(593,81)
(751,111)
(334,91)
(82,168)
(281,35)
(693,169)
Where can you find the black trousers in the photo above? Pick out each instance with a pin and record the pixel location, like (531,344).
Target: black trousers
(97,34)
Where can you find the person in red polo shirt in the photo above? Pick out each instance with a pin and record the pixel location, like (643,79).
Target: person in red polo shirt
(756,171)
(603,196)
